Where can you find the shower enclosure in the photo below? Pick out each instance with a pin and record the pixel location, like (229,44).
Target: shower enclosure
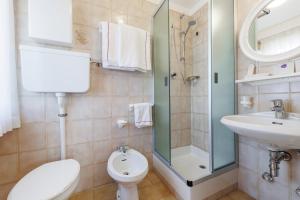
(194,60)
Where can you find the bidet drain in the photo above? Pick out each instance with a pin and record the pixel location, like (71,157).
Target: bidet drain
(126,173)
(202,166)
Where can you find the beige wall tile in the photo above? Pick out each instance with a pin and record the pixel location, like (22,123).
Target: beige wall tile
(80,107)
(120,106)
(271,191)
(101,129)
(120,6)
(120,86)
(32,109)
(83,153)
(248,157)
(102,107)
(81,12)
(31,160)
(295,105)
(32,136)
(102,150)
(81,131)
(101,176)
(136,86)
(248,182)
(82,37)
(52,134)
(103,3)
(101,85)
(53,154)
(51,108)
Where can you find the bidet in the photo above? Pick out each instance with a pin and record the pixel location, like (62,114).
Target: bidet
(127,168)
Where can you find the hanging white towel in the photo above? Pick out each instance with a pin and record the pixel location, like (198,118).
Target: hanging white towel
(110,44)
(125,47)
(143,115)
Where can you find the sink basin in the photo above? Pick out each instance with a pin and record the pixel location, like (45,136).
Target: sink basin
(279,133)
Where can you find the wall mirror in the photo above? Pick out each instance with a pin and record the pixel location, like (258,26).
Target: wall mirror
(271,31)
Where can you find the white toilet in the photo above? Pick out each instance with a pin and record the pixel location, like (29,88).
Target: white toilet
(52,181)
(128,168)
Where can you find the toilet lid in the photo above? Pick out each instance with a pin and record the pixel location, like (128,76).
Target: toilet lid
(46,181)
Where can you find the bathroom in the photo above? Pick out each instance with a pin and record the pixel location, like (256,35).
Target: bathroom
(202,77)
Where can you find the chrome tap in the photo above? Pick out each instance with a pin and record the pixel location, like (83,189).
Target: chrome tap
(123,148)
(278,108)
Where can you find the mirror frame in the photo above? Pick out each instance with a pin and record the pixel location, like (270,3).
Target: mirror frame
(244,39)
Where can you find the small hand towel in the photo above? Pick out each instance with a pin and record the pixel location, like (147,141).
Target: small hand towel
(143,115)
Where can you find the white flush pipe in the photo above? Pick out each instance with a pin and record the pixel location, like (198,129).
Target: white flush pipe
(62,102)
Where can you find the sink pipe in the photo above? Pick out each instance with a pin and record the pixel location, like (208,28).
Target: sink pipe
(275,158)
(62,114)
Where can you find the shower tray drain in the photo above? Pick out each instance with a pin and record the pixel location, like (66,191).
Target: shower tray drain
(126,173)
(202,166)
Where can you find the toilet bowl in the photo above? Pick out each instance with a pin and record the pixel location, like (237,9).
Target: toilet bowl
(52,181)
(127,169)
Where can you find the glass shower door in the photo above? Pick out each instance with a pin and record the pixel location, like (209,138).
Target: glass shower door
(162,81)
(222,82)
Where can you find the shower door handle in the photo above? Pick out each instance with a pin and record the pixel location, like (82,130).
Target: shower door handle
(166,80)
(216,77)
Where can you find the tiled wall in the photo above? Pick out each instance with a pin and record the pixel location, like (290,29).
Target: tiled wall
(91,124)
(254,156)
(180,90)
(199,88)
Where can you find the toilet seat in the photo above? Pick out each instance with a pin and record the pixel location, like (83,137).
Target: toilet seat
(48,181)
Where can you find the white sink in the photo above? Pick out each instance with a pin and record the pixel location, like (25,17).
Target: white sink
(279,133)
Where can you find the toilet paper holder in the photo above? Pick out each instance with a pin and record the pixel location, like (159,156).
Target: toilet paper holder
(121,123)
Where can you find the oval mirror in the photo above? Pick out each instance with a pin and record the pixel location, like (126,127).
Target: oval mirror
(271,31)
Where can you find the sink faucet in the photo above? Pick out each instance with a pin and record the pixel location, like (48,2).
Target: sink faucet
(123,148)
(278,108)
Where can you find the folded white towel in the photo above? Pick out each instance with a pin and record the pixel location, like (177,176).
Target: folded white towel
(125,47)
(143,115)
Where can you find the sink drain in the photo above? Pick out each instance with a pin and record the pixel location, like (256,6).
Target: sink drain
(126,173)
(202,166)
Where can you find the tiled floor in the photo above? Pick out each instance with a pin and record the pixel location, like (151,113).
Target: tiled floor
(151,188)
(236,195)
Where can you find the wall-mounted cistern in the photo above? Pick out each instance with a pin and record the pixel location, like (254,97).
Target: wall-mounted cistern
(55,71)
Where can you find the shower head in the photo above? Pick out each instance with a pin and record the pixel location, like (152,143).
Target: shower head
(191,23)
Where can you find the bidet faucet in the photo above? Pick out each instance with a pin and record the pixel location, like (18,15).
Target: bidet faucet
(123,148)
(278,107)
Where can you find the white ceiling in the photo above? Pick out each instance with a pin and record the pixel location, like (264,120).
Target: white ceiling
(187,7)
